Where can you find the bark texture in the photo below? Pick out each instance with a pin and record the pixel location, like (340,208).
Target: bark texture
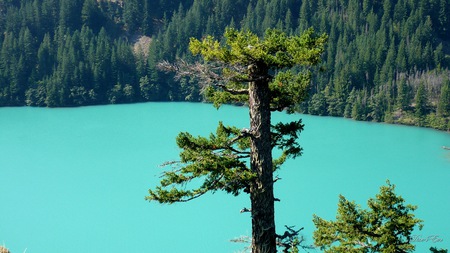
(261,191)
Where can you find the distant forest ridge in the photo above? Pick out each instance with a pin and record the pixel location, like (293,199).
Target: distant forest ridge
(386,60)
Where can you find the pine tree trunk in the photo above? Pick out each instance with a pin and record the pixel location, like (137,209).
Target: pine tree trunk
(261,191)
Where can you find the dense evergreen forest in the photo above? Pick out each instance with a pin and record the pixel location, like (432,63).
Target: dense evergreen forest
(386,60)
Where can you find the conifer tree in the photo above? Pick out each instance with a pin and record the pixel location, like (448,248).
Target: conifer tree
(421,101)
(91,15)
(147,18)
(402,94)
(443,108)
(384,227)
(250,70)
(132,14)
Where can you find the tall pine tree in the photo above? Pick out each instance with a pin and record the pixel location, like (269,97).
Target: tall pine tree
(245,69)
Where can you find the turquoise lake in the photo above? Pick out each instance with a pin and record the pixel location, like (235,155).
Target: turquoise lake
(74,179)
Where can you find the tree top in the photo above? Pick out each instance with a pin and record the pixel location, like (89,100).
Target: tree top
(275,50)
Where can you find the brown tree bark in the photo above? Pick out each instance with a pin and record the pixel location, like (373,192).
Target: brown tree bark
(261,191)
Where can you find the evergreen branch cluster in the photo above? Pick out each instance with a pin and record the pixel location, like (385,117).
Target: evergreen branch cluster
(217,161)
(386,225)
(220,162)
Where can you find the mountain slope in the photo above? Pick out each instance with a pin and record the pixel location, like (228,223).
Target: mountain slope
(386,60)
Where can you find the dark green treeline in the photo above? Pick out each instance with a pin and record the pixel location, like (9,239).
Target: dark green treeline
(386,60)
(77,52)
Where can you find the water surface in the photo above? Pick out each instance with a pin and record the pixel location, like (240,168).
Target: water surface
(75,178)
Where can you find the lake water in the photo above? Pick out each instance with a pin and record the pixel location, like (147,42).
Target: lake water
(74,179)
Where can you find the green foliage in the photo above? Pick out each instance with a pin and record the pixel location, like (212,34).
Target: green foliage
(72,53)
(91,15)
(402,95)
(443,108)
(275,50)
(132,14)
(223,97)
(217,160)
(287,87)
(385,226)
(248,69)
(285,135)
(317,104)
(381,48)
(421,102)
(220,162)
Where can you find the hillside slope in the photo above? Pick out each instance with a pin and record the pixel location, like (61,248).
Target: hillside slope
(386,60)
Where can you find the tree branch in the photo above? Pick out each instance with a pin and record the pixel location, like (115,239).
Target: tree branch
(232,91)
(290,240)
(208,74)
(194,197)
(203,191)
(290,233)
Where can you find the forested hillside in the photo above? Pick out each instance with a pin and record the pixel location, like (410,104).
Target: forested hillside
(386,60)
